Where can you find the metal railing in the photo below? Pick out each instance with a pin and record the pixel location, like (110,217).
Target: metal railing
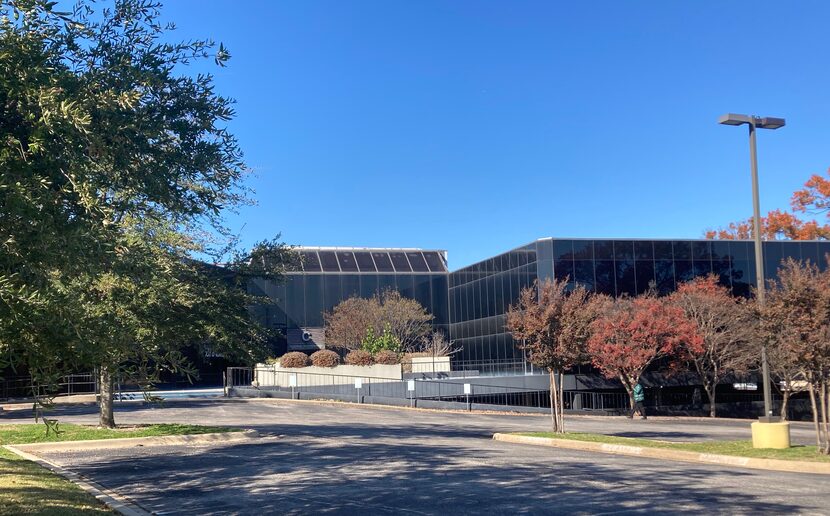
(22,387)
(494,368)
(270,378)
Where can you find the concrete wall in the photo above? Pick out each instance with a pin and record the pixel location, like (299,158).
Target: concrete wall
(430,364)
(274,375)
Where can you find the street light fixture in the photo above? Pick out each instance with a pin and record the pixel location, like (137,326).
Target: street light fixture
(763,123)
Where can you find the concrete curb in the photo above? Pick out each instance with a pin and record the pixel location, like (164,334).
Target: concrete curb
(129,442)
(791,466)
(111,499)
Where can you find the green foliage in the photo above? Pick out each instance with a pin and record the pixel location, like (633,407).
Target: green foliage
(117,167)
(385,341)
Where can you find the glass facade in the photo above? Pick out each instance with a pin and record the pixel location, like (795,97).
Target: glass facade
(481,293)
(479,297)
(329,276)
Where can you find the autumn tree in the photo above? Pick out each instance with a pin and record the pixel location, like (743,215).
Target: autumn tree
(799,303)
(783,352)
(551,326)
(388,312)
(726,328)
(636,333)
(814,199)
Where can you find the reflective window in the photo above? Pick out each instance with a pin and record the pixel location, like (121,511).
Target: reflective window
(417,261)
(721,250)
(350,284)
(311,263)
(563,249)
(584,273)
(682,250)
(583,249)
(347,262)
(662,250)
(625,277)
(314,297)
(329,261)
(368,285)
(623,250)
(683,271)
(643,250)
(741,250)
(435,262)
(563,270)
(384,264)
(364,262)
(664,276)
(603,249)
(645,275)
(605,277)
(400,262)
(334,294)
(702,250)
(702,267)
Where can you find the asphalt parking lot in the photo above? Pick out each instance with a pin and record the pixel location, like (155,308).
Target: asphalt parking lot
(346,459)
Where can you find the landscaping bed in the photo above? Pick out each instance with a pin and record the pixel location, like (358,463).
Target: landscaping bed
(731,448)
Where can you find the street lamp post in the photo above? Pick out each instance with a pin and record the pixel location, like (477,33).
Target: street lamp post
(763,123)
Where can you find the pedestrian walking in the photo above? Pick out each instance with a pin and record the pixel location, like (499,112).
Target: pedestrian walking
(639,396)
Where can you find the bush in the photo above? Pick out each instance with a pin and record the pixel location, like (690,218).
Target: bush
(359,357)
(294,359)
(387,357)
(325,358)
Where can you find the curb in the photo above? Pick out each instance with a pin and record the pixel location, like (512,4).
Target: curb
(128,442)
(111,499)
(791,466)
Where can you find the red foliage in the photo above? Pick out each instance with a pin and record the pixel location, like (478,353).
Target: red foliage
(627,339)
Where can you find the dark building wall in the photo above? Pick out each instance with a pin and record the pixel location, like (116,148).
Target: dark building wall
(330,277)
(481,293)
(479,297)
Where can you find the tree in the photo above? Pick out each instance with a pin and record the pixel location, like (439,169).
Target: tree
(798,307)
(813,198)
(117,169)
(782,351)
(403,319)
(636,333)
(551,326)
(725,326)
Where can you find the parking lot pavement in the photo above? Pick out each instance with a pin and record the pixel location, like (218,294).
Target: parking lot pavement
(344,459)
(318,418)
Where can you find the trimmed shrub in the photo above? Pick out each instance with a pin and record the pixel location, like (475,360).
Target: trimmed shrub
(359,357)
(387,357)
(295,359)
(325,358)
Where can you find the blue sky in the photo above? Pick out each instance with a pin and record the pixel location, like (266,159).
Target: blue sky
(477,126)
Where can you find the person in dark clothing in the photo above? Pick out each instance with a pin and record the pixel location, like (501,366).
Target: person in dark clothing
(639,397)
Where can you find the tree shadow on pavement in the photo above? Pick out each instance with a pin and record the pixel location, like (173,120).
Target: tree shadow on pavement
(391,470)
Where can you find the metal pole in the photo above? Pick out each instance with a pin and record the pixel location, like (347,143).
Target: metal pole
(759,267)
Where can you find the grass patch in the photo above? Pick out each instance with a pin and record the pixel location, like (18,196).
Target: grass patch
(26,488)
(33,433)
(734,448)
